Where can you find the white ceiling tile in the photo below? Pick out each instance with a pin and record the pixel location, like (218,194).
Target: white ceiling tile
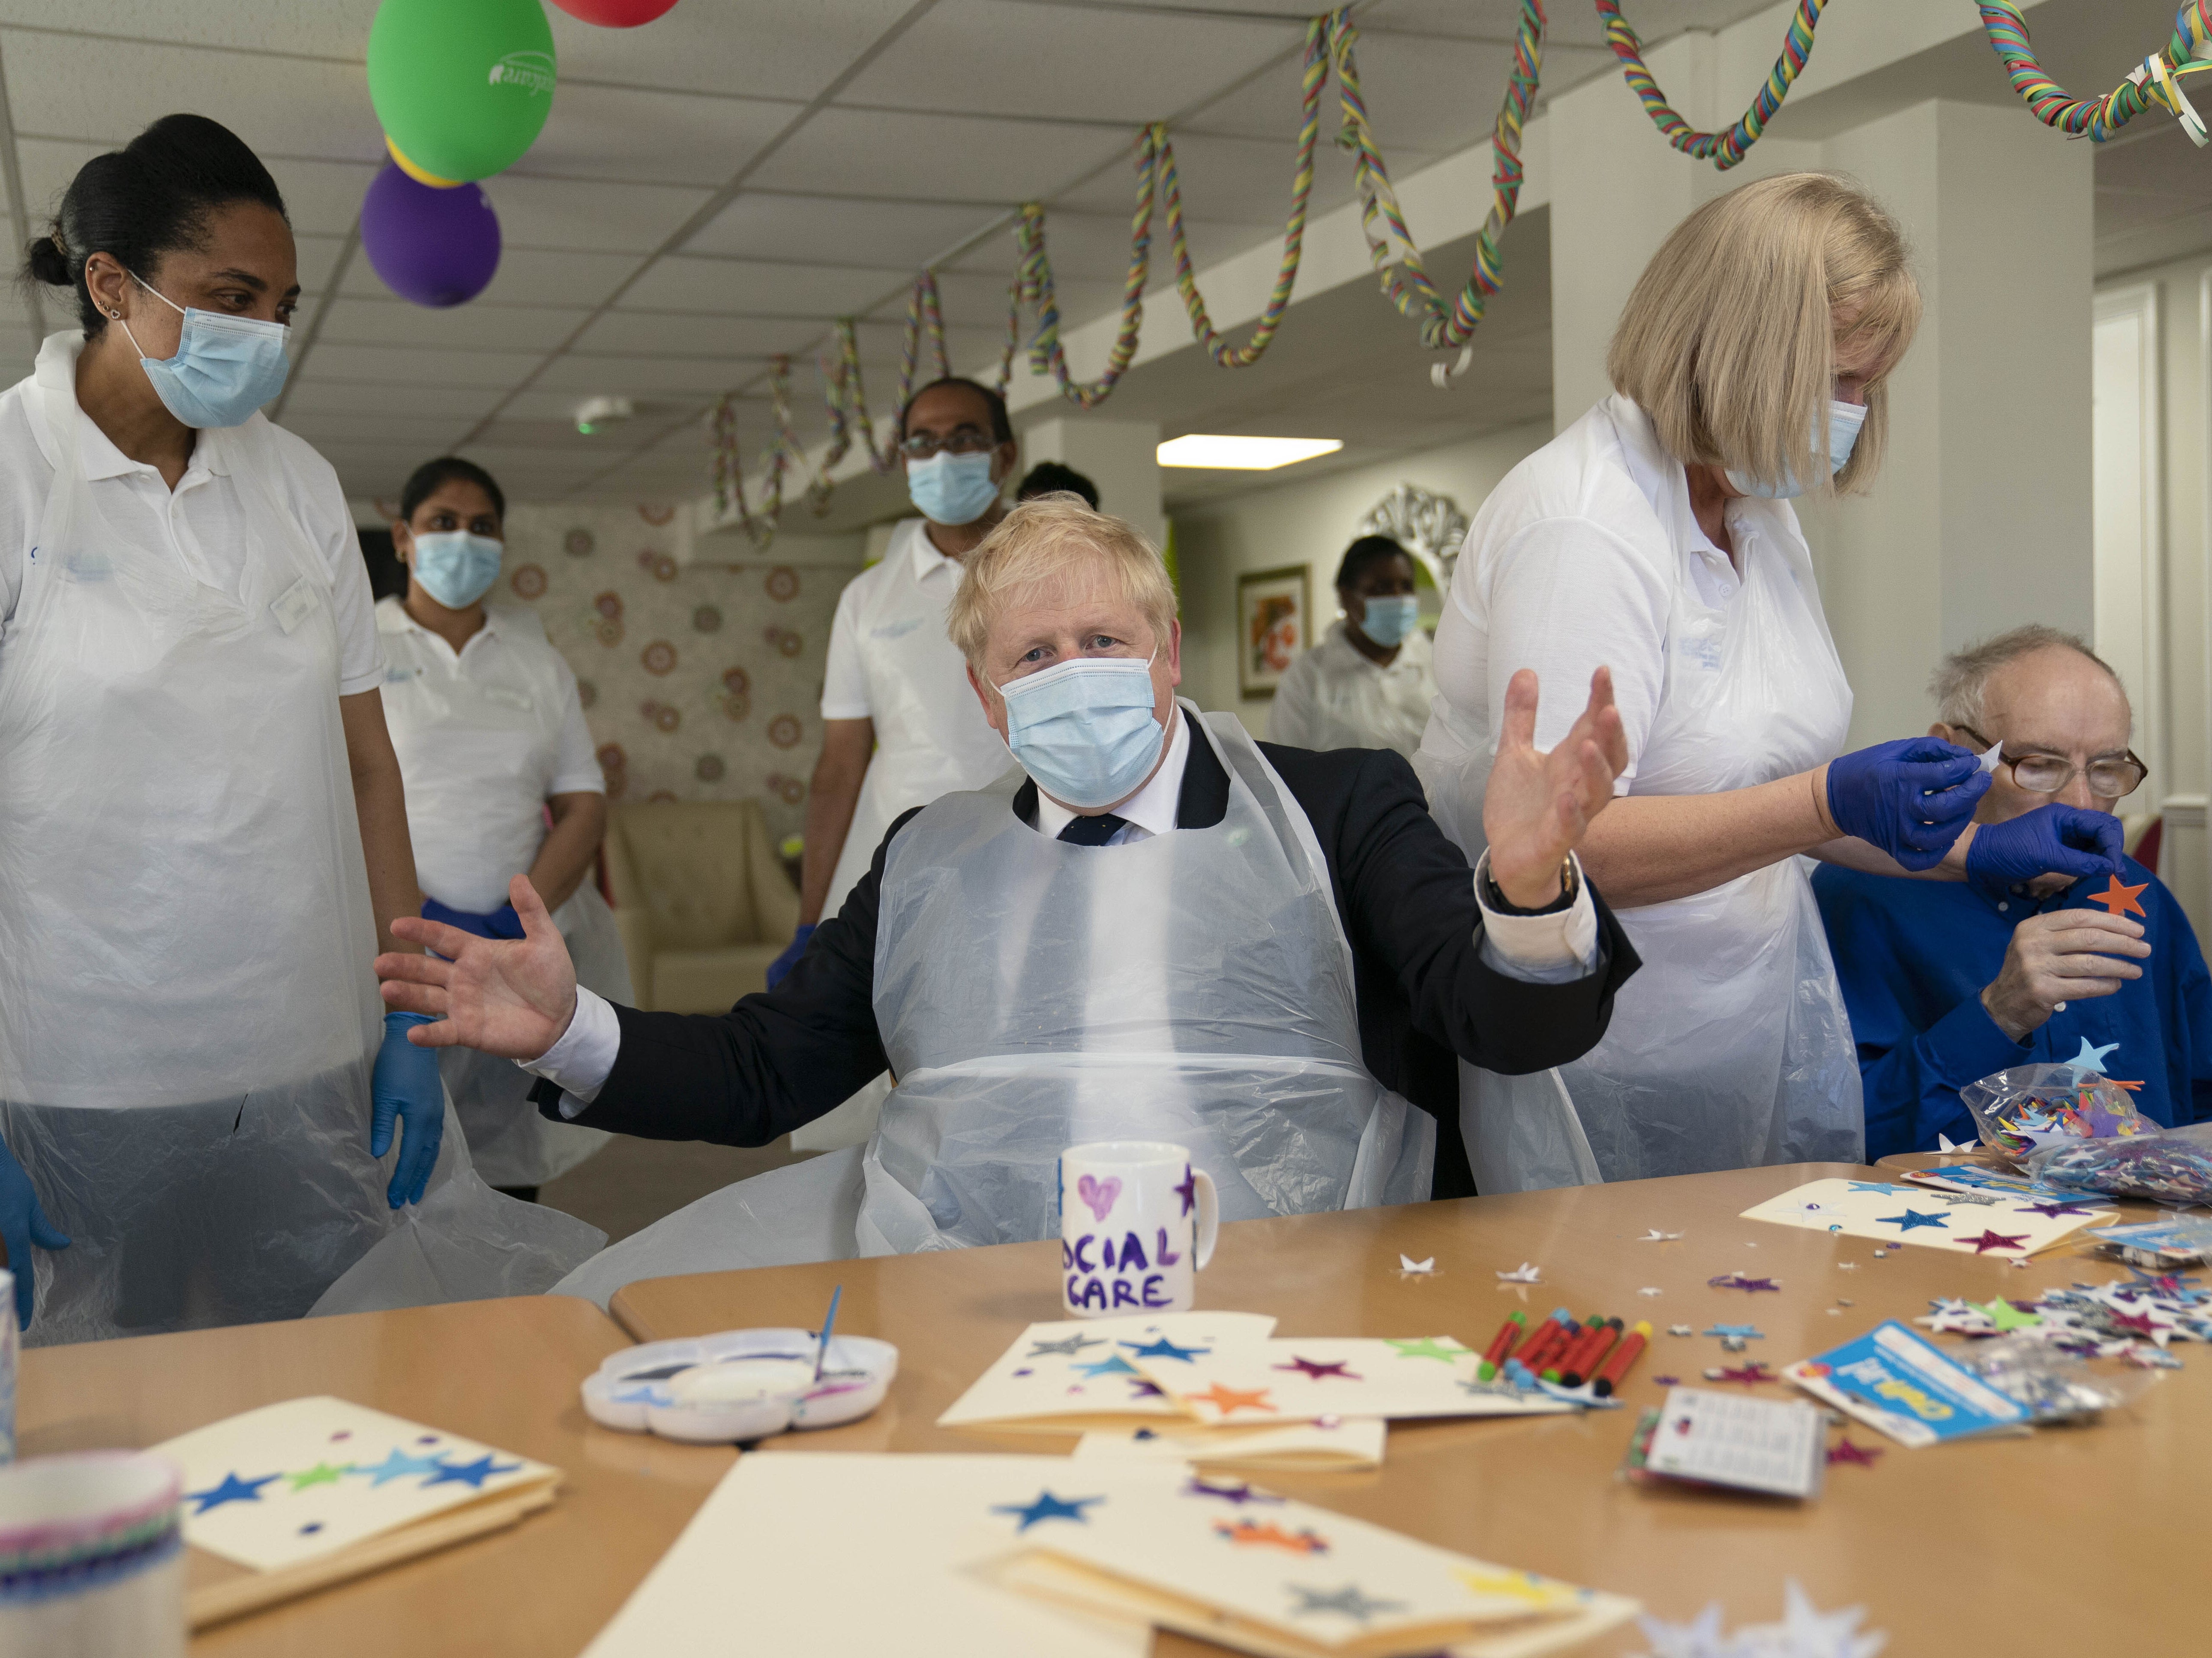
(756,286)
(357,429)
(755,48)
(658,334)
(318,259)
(977,300)
(49,167)
(354,321)
(648,137)
(938,157)
(652,410)
(646,377)
(327,29)
(608,218)
(69,86)
(323,197)
(1231,181)
(423,366)
(1065,61)
(313,392)
(1095,247)
(877,233)
(526,277)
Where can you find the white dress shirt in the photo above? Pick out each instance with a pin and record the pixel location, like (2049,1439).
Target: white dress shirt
(1554,948)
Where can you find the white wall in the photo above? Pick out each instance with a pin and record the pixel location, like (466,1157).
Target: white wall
(1311,523)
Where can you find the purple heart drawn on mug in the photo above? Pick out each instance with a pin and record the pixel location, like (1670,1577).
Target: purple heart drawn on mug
(1099,1194)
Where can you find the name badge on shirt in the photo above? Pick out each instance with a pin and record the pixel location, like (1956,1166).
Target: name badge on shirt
(293,605)
(509,699)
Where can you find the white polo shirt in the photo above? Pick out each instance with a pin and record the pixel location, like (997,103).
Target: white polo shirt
(485,736)
(198,525)
(1336,696)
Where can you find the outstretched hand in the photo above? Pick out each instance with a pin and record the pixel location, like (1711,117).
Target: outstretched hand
(509,998)
(1538,805)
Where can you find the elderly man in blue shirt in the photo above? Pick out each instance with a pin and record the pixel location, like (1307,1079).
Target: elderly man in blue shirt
(2090,962)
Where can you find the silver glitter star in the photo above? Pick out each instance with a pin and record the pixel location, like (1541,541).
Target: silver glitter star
(1067,1345)
(1348,1600)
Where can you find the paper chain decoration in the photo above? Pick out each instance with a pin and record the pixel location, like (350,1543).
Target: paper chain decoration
(729,472)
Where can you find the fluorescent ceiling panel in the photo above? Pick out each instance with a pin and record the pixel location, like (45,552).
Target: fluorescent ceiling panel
(1242,454)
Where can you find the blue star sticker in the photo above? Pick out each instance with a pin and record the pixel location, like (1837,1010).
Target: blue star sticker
(471,1475)
(1048,1507)
(1882,1186)
(1908,1220)
(2090,1057)
(232,1490)
(1115,1366)
(398,1465)
(1348,1600)
(1744,1332)
(1165,1348)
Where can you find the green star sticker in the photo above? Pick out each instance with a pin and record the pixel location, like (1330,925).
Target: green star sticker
(321,1475)
(1430,1347)
(2005,1315)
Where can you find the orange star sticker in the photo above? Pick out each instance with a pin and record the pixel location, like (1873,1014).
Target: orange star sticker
(1228,1401)
(2118,900)
(1272,1536)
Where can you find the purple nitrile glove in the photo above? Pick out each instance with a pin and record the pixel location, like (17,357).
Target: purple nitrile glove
(1911,798)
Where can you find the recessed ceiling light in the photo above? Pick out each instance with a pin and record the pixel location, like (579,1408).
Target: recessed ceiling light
(1243,454)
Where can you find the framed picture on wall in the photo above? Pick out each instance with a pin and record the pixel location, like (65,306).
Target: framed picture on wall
(1274,609)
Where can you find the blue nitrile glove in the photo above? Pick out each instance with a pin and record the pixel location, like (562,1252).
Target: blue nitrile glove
(779,968)
(501,923)
(2051,840)
(405,1087)
(23,1224)
(1911,798)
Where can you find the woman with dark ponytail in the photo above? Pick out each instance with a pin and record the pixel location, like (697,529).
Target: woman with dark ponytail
(203,826)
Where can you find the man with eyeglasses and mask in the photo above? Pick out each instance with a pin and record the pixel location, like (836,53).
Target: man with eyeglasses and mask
(899,724)
(2057,948)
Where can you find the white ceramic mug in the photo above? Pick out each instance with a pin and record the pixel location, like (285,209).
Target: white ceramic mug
(92,1558)
(8,1350)
(1137,1221)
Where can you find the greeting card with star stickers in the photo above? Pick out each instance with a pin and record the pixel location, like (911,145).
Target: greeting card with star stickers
(1224,1559)
(310,1477)
(1898,1212)
(1321,1377)
(1328,1443)
(1076,1375)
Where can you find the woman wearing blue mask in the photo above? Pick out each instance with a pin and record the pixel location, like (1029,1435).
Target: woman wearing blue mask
(503,780)
(202,828)
(1655,536)
(1369,682)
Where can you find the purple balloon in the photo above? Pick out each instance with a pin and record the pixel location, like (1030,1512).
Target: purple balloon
(437,247)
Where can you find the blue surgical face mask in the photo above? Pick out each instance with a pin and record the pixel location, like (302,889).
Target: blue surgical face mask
(1387,620)
(455,568)
(225,368)
(1845,420)
(1085,729)
(951,489)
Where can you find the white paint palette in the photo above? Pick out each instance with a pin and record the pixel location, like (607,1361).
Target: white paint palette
(739,1386)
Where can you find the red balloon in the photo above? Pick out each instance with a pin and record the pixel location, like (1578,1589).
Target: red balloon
(615,14)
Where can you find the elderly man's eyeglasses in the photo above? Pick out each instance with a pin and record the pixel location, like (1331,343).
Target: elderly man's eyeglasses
(920,445)
(2047,774)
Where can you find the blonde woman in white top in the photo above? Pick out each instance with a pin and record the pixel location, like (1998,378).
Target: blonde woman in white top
(1655,536)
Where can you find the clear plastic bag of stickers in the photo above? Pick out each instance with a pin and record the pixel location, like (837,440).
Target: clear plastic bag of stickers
(2023,1110)
(2055,1388)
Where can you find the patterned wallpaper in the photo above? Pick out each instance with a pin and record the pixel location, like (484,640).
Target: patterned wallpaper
(702,683)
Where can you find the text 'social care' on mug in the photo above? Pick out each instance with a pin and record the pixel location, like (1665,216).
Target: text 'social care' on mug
(1136,1223)
(92,1558)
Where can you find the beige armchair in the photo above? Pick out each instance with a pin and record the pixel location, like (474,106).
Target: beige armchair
(702,904)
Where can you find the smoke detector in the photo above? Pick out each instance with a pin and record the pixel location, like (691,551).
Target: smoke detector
(600,413)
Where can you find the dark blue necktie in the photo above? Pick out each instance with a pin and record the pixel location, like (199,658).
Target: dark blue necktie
(1093,831)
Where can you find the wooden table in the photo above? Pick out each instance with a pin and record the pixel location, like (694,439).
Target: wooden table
(504,1372)
(2074,1541)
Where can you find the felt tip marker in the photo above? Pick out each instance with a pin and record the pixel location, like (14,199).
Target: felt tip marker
(1534,1346)
(1569,1357)
(1625,1356)
(1546,1365)
(1584,1364)
(1500,1344)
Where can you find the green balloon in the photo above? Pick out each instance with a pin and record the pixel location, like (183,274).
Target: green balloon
(463,87)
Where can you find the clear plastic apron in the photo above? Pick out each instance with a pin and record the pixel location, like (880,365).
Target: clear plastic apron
(453,738)
(1731,1049)
(187,1014)
(1196,988)
(919,752)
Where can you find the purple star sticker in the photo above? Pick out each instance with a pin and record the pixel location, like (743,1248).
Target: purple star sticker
(1189,1190)
(2054,1209)
(1307,1367)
